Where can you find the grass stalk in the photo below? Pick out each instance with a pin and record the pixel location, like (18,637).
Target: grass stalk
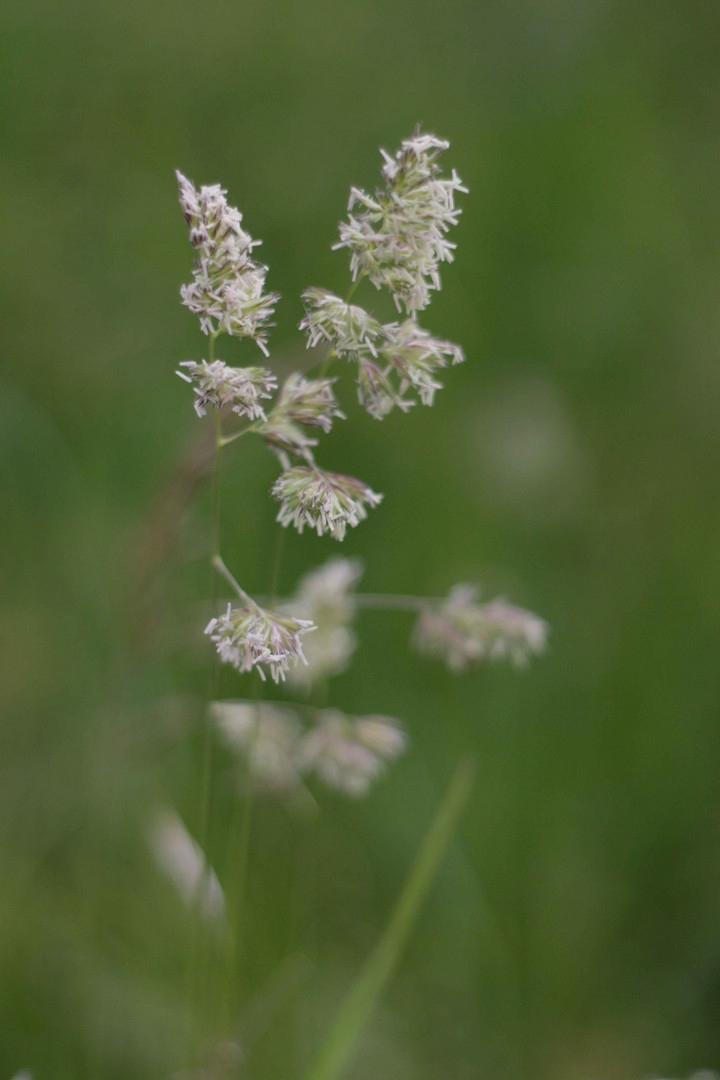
(357,1008)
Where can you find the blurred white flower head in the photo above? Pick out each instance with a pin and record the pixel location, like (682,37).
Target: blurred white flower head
(266,736)
(182,860)
(398,237)
(227,291)
(326,596)
(348,753)
(327,502)
(463,632)
(218,384)
(250,637)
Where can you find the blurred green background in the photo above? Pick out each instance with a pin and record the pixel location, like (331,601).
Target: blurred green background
(571,464)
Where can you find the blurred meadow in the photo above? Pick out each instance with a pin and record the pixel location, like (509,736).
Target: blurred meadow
(571,464)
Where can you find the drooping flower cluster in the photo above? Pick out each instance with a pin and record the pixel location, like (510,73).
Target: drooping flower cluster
(326,596)
(398,237)
(348,753)
(308,402)
(463,632)
(251,637)
(218,384)
(326,501)
(227,291)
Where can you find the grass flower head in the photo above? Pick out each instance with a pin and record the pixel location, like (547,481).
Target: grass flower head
(227,290)
(398,236)
(308,402)
(349,329)
(218,385)
(326,501)
(249,637)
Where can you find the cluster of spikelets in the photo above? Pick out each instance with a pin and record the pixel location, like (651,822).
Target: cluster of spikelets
(397,239)
(227,290)
(457,629)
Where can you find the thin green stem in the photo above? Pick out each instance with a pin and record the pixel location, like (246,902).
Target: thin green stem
(215,548)
(332,355)
(353,287)
(195,976)
(239,856)
(373,601)
(355,1011)
(238,434)
(243,858)
(219,565)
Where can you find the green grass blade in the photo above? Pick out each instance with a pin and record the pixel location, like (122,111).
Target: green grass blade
(362,998)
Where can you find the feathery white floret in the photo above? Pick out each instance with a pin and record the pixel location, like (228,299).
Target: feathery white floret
(326,501)
(415,355)
(398,237)
(218,384)
(463,632)
(227,290)
(310,402)
(348,329)
(407,362)
(250,637)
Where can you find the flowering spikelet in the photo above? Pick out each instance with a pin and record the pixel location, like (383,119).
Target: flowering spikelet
(416,355)
(407,361)
(218,385)
(350,330)
(462,632)
(398,236)
(250,637)
(348,753)
(326,596)
(227,291)
(267,737)
(301,401)
(326,501)
(377,393)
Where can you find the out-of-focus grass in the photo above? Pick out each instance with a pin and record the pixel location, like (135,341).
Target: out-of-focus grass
(572,464)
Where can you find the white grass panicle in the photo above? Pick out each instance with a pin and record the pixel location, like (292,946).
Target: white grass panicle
(397,240)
